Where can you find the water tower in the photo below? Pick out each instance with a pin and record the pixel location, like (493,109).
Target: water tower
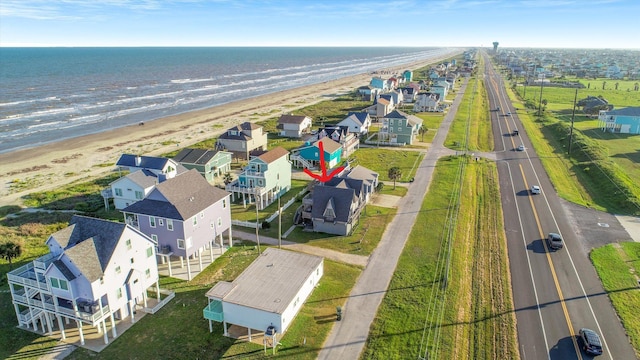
(495,46)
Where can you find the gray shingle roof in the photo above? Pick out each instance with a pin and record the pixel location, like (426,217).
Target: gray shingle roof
(144,178)
(270,283)
(60,265)
(89,243)
(362,173)
(342,199)
(179,198)
(291,119)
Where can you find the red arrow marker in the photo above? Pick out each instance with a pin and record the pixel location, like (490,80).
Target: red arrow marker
(324,177)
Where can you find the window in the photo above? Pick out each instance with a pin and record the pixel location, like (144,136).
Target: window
(138,195)
(180,244)
(149,251)
(201,215)
(189,243)
(132,261)
(101,280)
(195,220)
(219,221)
(161,222)
(212,225)
(128,242)
(154,237)
(147,273)
(64,285)
(54,283)
(152,221)
(169,224)
(119,293)
(224,203)
(118,271)
(118,192)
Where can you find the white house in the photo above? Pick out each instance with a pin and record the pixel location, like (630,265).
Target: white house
(270,292)
(294,125)
(97,271)
(357,122)
(164,167)
(133,187)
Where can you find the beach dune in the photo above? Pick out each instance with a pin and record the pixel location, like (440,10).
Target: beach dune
(53,165)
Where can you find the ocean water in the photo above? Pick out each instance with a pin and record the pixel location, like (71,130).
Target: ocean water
(52,94)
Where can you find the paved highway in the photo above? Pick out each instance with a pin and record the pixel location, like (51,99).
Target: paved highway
(555,292)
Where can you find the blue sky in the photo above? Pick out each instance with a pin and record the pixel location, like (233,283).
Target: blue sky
(513,23)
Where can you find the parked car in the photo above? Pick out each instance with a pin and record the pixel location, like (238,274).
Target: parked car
(554,241)
(590,341)
(535,190)
(520,147)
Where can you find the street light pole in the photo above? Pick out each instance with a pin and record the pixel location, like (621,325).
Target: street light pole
(257,223)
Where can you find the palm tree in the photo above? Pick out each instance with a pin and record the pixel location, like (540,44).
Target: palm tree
(604,83)
(395,174)
(227,178)
(616,85)
(636,86)
(10,251)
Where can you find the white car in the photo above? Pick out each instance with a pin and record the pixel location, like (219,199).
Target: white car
(509,113)
(520,147)
(535,190)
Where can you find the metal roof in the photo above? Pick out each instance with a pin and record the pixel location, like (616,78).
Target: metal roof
(270,283)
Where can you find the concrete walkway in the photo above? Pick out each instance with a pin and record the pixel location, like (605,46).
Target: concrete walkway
(347,338)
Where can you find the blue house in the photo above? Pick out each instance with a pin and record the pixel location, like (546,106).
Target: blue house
(379,83)
(623,121)
(308,156)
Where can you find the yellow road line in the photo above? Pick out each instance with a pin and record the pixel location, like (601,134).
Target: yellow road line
(553,271)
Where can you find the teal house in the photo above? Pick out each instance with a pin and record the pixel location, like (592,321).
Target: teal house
(407,75)
(308,156)
(399,128)
(622,121)
(264,179)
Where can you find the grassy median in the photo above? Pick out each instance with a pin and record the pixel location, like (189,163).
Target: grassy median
(473,317)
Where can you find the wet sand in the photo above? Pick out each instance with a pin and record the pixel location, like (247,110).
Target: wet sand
(53,165)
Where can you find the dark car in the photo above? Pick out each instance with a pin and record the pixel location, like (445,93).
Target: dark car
(554,241)
(516,132)
(590,341)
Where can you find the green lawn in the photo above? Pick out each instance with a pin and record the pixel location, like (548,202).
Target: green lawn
(381,160)
(471,127)
(618,266)
(603,169)
(430,121)
(179,331)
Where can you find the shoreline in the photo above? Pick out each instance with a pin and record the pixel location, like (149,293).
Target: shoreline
(52,165)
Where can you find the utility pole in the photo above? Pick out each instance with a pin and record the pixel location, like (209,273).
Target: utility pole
(573,115)
(541,86)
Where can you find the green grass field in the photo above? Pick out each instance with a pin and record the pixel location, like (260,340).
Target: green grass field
(618,266)
(603,170)
(477,320)
(471,127)
(381,160)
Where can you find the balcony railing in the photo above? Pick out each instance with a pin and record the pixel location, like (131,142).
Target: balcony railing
(44,261)
(26,276)
(213,311)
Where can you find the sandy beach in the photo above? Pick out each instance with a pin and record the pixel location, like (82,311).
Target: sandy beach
(53,165)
